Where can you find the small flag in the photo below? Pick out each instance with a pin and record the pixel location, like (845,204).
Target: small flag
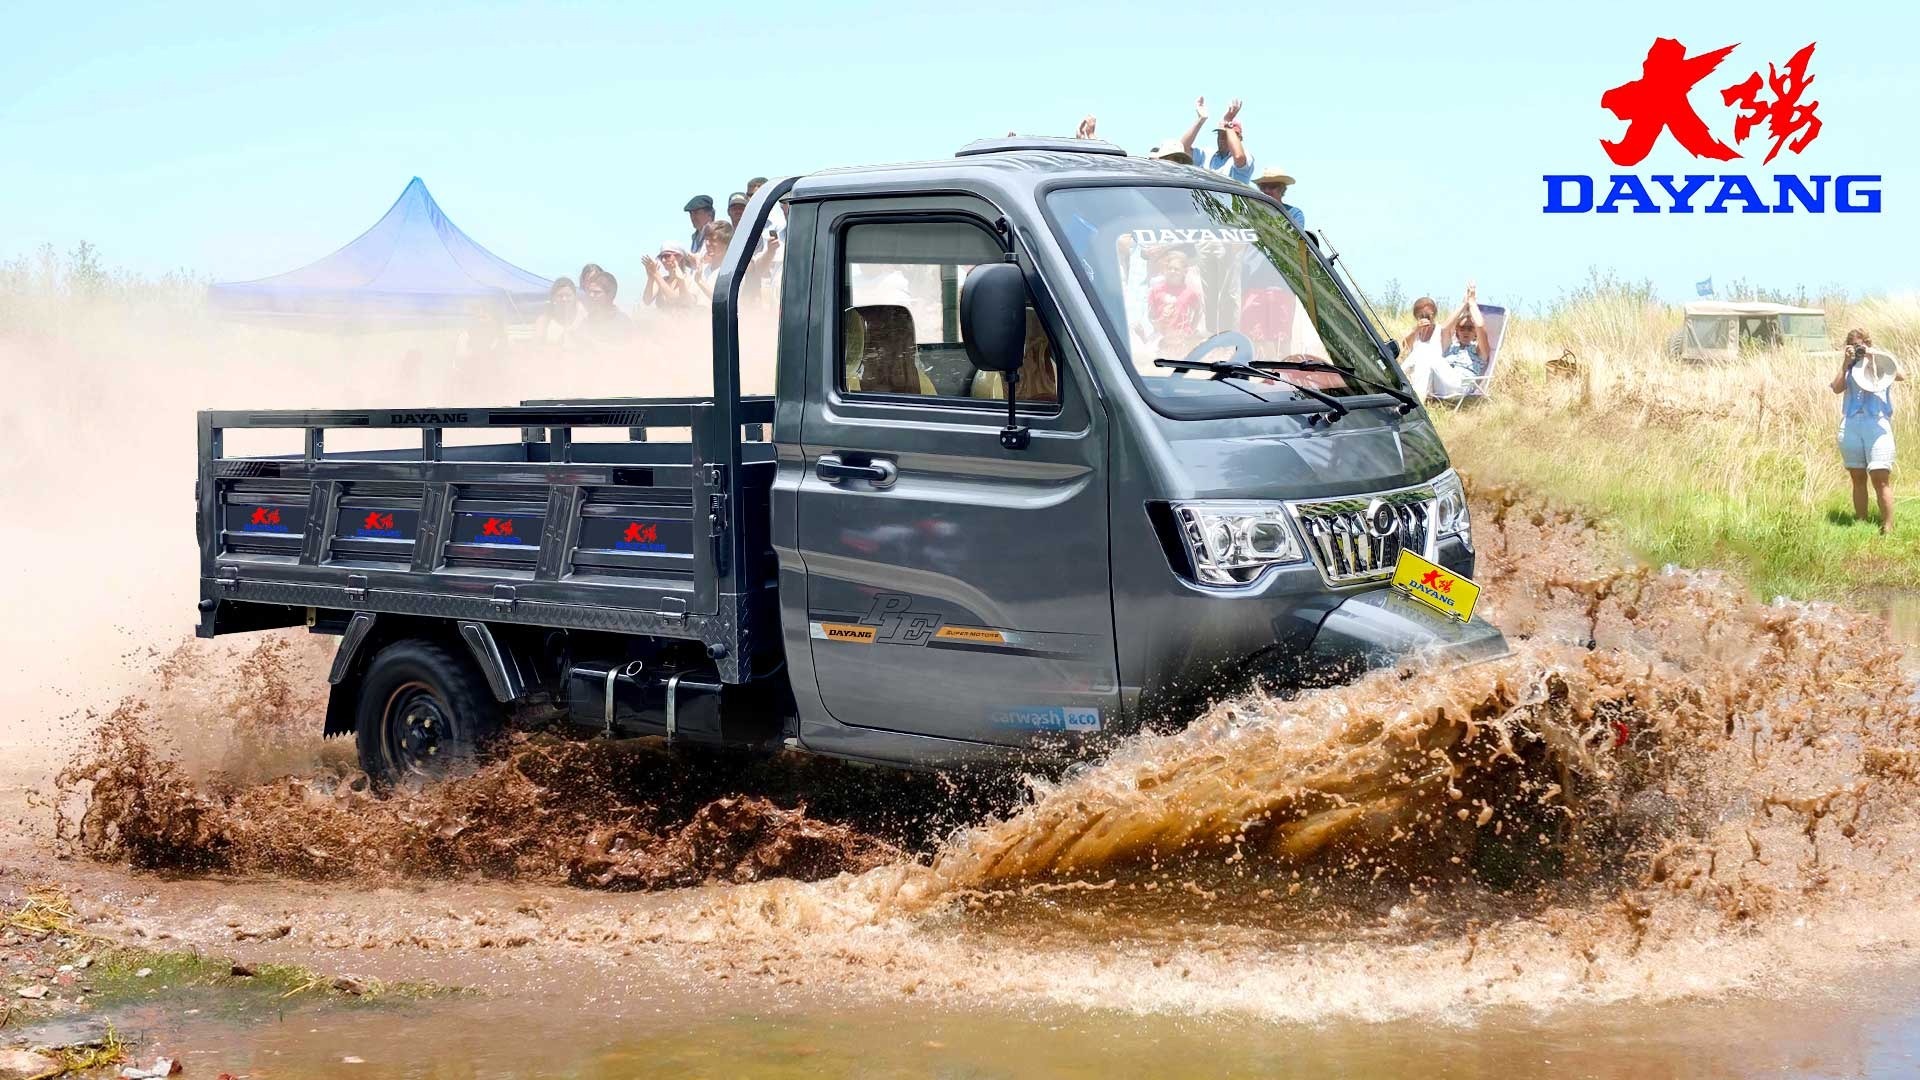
(1704,287)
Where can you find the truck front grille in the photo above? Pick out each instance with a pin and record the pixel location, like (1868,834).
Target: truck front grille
(1342,535)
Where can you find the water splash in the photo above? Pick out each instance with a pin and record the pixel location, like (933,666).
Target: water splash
(1668,789)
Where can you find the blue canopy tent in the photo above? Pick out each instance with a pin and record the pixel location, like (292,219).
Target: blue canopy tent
(413,265)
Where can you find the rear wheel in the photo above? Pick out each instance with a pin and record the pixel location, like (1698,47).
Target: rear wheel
(424,712)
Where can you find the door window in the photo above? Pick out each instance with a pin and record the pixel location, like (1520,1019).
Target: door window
(899,327)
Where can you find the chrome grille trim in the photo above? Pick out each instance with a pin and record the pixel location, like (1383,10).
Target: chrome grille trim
(1335,533)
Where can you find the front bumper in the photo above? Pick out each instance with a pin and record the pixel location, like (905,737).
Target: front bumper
(1183,646)
(1382,628)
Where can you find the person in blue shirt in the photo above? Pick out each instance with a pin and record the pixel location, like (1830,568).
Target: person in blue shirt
(1274,183)
(1229,158)
(1865,383)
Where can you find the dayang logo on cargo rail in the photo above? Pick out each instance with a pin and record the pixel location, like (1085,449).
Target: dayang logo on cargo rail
(406,418)
(1657,103)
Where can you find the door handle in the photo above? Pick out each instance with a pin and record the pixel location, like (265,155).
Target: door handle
(879,472)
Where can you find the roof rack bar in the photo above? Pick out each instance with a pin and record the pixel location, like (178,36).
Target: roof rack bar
(1040,142)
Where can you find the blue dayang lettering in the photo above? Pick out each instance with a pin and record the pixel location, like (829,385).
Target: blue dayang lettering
(1683,195)
(1627,186)
(1843,191)
(1737,186)
(1556,192)
(1814,201)
(1853,193)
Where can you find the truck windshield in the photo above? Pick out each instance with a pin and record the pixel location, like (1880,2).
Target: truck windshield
(1191,273)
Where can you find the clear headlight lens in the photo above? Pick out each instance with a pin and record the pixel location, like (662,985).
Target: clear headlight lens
(1232,542)
(1450,508)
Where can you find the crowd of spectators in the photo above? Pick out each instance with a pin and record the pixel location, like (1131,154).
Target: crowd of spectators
(587,310)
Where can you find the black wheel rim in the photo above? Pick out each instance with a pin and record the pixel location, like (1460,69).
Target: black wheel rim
(419,730)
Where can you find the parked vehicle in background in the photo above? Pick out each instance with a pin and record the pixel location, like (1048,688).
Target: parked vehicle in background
(1166,499)
(1715,331)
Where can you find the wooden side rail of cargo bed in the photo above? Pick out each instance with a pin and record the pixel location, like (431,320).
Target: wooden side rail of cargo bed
(657,538)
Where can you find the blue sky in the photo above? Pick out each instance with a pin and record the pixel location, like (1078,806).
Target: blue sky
(239,141)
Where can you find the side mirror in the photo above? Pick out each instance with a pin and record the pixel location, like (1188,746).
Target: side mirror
(993,316)
(993,324)
(1393,349)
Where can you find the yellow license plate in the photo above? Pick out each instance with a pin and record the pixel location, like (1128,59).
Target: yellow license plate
(1435,586)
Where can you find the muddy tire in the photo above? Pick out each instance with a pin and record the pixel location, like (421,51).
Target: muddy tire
(424,713)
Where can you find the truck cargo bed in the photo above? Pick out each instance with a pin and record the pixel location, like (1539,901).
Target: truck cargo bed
(666,539)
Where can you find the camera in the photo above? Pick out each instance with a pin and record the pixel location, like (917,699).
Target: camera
(1856,353)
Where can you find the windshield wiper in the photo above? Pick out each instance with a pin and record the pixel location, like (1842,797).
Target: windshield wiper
(1227,369)
(1407,401)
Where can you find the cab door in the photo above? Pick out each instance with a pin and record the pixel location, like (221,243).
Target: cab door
(955,588)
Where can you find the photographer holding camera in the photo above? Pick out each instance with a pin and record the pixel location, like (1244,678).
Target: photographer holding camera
(1866,380)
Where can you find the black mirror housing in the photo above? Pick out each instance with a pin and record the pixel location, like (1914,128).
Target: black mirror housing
(993,316)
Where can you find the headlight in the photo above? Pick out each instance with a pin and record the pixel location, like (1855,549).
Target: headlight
(1232,542)
(1450,508)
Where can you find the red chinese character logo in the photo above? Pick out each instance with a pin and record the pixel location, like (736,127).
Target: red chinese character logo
(641,534)
(378,520)
(1657,101)
(264,516)
(498,527)
(1434,581)
(1784,115)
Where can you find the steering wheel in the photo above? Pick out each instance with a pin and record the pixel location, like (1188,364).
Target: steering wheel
(1242,348)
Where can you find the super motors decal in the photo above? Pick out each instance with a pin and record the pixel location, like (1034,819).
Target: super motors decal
(893,621)
(643,533)
(257,518)
(499,530)
(1774,111)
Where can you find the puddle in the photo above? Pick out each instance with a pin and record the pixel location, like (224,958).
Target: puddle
(1902,611)
(1868,1026)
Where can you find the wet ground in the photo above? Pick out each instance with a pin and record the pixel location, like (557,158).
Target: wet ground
(1857,1029)
(1673,835)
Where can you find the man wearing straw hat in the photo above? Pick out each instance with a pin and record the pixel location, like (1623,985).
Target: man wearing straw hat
(1274,183)
(1866,381)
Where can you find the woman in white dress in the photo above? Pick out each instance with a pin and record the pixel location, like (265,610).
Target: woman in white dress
(1438,362)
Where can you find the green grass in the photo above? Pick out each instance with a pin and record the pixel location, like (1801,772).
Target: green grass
(1779,542)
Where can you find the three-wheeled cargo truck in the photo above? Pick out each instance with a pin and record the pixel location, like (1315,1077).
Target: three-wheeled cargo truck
(1063,443)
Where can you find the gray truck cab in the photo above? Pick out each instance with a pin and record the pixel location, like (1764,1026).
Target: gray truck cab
(1139,537)
(1064,444)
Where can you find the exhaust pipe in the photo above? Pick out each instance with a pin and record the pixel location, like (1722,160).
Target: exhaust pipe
(630,671)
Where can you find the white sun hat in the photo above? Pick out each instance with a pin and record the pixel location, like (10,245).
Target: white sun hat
(1875,372)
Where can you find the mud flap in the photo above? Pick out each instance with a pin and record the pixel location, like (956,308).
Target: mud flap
(341,702)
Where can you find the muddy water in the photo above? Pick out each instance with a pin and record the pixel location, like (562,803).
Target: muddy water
(1902,612)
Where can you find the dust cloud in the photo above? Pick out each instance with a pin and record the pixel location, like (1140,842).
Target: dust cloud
(97,553)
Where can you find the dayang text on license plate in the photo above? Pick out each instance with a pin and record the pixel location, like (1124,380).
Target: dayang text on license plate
(1435,586)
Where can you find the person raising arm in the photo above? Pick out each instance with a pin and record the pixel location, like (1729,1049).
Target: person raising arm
(1470,308)
(1199,121)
